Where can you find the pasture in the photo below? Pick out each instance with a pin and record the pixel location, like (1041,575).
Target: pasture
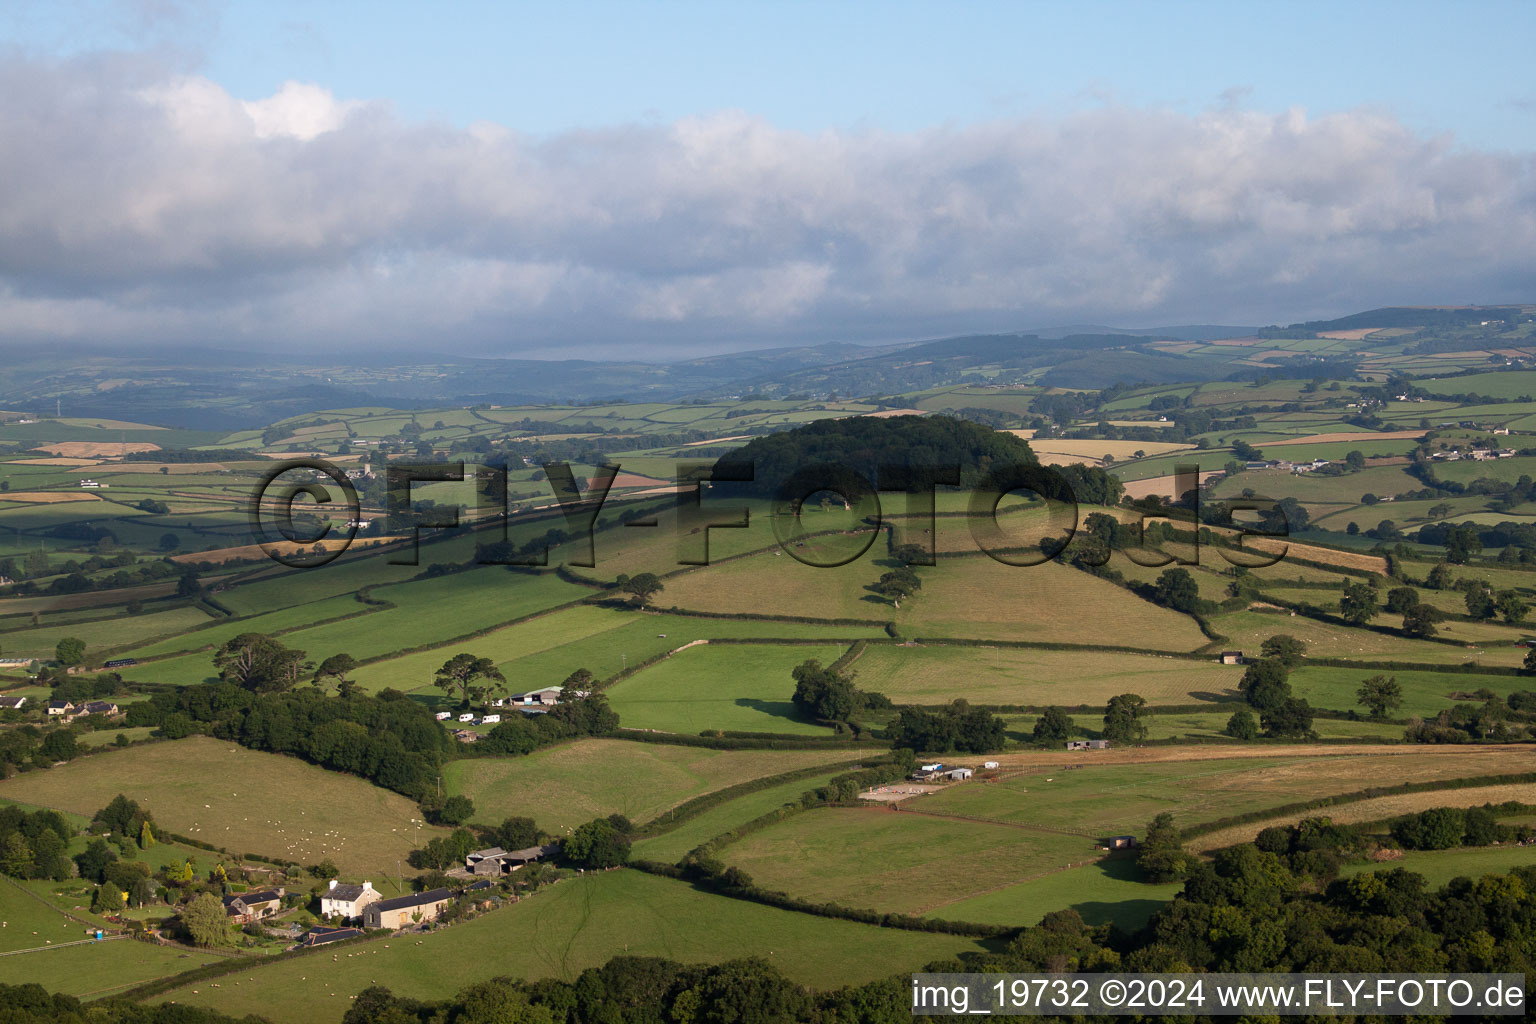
(745,687)
(243,801)
(878,858)
(1440,866)
(564,786)
(561,931)
(1008,675)
(1114,799)
(1110,890)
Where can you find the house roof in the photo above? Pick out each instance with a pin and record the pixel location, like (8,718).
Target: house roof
(320,936)
(419,899)
(98,706)
(250,898)
(344,891)
(60,704)
(494,851)
(12,702)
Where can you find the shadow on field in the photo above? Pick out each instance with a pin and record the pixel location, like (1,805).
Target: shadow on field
(776,708)
(1129,915)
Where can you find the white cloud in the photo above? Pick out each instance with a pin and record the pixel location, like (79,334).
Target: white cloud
(142,205)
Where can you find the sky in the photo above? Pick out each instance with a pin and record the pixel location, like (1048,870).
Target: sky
(659,180)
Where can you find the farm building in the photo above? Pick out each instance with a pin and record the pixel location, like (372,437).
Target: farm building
(1120,842)
(1087,744)
(347,900)
(959,774)
(465,736)
(1231,657)
(548,695)
(406,910)
(12,703)
(496,861)
(319,936)
(245,907)
(925,776)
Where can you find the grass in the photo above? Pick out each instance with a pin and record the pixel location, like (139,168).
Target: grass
(744,687)
(669,847)
(1001,675)
(1107,891)
(1110,799)
(103,635)
(542,651)
(100,969)
(1440,866)
(907,863)
(563,786)
(241,800)
(1378,809)
(580,923)
(1424,693)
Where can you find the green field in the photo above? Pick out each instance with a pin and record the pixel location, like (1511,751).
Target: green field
(744,687)
(1440,866)
(1003,675)
(1108,890)
(561,787)
(1111,799)
(580,923)
(874,857)
(242,800)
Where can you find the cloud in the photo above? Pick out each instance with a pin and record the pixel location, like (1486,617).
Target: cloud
(143,205)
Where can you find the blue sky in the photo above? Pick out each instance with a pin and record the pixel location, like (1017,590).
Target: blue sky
(667,179)
(1440,68)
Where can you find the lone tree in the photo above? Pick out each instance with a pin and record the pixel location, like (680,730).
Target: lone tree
(1242,726)
(823,693)
(1053,726)
(1512,606)
(597,844)
(1479,600)
(259,663)
(642,587)
(470,677)
(1380,694)
(69,651)
(1162,857)
(1285,649)
(898,583)
(1358,605)
(205,920)
(1177,589)
(337,667)
(1264,684)
(1122,718)
(1419,621)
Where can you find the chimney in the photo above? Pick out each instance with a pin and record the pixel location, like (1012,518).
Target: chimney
(332,885)
(367,885)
